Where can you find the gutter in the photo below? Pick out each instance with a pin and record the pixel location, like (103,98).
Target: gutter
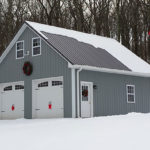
(114,71)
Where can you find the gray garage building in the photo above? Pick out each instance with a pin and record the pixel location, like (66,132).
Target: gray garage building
(49,72)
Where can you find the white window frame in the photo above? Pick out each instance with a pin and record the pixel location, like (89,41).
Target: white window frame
(20,49)
(36,46)
(130,93)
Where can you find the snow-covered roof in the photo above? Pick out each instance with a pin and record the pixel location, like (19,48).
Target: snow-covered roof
(113,47)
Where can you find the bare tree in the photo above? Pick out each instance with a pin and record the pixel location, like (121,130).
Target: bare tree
(128,21)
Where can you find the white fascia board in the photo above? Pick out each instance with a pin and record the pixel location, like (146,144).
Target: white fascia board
(73,93)
(106,70)
(13,42)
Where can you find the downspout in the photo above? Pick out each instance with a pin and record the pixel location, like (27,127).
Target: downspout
(79,69)
(78,92)
(73,78)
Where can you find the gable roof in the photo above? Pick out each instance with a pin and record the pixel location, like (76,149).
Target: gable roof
(81,49)
(113,47)
(79,53)
(11,44)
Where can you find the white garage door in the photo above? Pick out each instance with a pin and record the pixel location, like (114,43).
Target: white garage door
(48,98)
(12,100)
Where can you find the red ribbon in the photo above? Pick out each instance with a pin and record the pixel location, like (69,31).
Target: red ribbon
(12,107)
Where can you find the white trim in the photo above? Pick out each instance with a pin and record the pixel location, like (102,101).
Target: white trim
(130,85)
(20,49)
(78,92)
(12,42)
(73,93)
(115,71)
(36,46)
(91,88)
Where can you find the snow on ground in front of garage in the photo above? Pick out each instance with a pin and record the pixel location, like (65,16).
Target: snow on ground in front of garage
(124,132)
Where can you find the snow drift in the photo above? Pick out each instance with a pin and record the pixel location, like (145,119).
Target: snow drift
(124,132)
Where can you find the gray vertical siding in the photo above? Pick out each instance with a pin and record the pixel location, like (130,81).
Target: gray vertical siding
(48,64)
(110,96)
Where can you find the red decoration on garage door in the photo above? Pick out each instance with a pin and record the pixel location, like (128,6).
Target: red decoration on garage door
(12,107)
(49,106)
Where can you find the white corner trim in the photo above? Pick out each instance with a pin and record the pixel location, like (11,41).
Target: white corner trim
(13,42)
(73,93)
(78,92)
(115,71)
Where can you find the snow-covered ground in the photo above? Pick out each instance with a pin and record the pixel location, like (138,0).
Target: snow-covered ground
(124,132)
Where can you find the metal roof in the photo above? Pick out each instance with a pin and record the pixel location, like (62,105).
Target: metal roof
(79,53)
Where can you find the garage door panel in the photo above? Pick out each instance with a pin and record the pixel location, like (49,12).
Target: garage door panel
(12,99)
(56,97)
(47,98)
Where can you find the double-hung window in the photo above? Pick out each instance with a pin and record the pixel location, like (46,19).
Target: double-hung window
(36,46)
(130,93)
(19,49)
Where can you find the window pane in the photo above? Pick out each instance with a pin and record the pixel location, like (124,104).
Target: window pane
(19,87)
(84,93)
(130,89)
(131,93)
(43,84)
(20,54)
(130,98)
(36,50)
(55,83)
(36,42)
(19,45)
(8,88)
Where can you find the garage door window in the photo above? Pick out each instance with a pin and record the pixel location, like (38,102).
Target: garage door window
(36,46)
(43,84)
(56,83)
(19,87)
(8,88)
(20,49)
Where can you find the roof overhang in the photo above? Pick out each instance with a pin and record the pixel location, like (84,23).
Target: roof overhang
(84,67)
(18,34)
(12,42)
(106,70)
